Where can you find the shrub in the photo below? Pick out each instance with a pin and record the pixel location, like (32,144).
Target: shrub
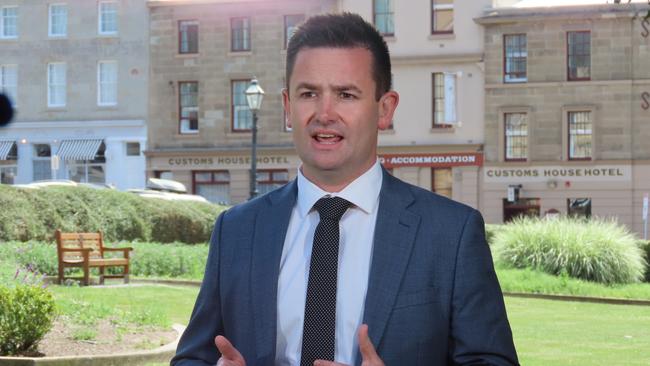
(26,315)
(645,247)
(36,214)
(595,250)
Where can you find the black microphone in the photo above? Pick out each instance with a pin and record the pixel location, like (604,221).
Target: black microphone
(6,110)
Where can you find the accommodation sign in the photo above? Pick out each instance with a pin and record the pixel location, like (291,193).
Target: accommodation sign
(431,160)
(545,173)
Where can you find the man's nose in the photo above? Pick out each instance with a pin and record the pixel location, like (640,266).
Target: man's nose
(326,109)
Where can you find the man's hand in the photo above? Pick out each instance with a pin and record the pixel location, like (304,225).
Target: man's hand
(369,356)
(229,354)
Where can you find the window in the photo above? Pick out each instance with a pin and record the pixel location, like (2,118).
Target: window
(579,207)
(291,23)
(268,180)
(9,82)
(188,36)
(163,174)
(132,149)
(213,185)
(41,162)
(89,171)
(9,167)
(242,117)
(516,136)
(240,34)
(107,18)
(189,106)
(579,55)
(9,22)
(515,55)
(580,135)
(444,99)
(523,207)
(383,17)
(107,83)
(56,85)
(442,181)
(442,16)
(58,20)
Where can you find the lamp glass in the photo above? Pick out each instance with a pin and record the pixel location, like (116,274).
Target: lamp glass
(254,95)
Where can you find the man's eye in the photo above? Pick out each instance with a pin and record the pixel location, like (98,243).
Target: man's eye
(307,94)
(345,95)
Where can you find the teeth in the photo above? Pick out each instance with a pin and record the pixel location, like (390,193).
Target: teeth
(325,136)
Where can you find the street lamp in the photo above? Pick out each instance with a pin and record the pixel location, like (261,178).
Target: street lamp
(254,95)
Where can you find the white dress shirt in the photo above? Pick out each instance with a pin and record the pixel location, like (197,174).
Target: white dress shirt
(357,228)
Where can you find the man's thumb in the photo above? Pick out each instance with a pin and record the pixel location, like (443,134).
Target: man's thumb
(227,350)
(368,352)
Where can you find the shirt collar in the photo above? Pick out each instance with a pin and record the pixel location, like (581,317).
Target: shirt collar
(363,192)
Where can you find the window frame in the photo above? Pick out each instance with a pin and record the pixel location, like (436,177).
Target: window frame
(100,83)
(569,56)
(10,90)
(390,14)
(441,7)
(506,74)
(188,131)
(213,180)
(443,124)
(569,135)
(100,19)
(577,214)
(272,180)
(192,22)
(132,143)
(232,106)
(505,137)
(50,85)
(50,22)
(4,35)
(287,37)
(246,37)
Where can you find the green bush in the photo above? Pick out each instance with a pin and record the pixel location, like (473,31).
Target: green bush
(26,315)
(645,247)
(34,214)
(594,250)
(147,259)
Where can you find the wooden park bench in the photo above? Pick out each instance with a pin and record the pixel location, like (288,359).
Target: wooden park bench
(86,250)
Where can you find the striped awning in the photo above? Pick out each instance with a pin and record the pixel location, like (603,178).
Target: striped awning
(5,148)
(81,149)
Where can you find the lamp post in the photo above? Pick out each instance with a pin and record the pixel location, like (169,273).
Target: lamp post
(254,95)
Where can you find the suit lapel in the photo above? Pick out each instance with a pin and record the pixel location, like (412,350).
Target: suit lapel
(395,232)
(271,226)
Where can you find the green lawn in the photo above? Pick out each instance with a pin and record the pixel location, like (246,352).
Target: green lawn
(163,304)
(550,332)
(529,281)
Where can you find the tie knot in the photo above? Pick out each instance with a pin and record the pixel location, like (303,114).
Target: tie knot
(332,207)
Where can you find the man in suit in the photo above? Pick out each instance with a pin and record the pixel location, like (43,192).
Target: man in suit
(416,283)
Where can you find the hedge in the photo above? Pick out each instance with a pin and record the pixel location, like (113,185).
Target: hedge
(34,214)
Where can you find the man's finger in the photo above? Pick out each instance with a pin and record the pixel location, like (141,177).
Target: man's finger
(228,351)
(369,355)
(327,363)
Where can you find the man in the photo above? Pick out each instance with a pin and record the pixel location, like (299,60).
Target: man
(414,281)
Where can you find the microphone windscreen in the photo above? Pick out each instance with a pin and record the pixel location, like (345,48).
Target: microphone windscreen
(6,110)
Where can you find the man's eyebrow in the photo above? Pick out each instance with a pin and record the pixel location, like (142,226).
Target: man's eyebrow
(306,85)
(347,87)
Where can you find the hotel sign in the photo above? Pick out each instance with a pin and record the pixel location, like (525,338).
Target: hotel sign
(592,173)
(431,160)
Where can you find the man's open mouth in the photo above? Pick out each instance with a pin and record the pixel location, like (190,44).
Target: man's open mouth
(327,138)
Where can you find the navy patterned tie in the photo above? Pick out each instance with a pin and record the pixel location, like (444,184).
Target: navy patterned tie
(318,336)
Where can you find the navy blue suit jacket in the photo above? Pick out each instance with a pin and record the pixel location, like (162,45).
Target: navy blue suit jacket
(433,297)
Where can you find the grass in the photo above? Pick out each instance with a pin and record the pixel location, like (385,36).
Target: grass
(579,334)
(537,282)
(155,305)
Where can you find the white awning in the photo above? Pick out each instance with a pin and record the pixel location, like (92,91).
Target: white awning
(82,149)
(5,148)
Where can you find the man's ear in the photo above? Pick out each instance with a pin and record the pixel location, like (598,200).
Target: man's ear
(387,105)
(287,106)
